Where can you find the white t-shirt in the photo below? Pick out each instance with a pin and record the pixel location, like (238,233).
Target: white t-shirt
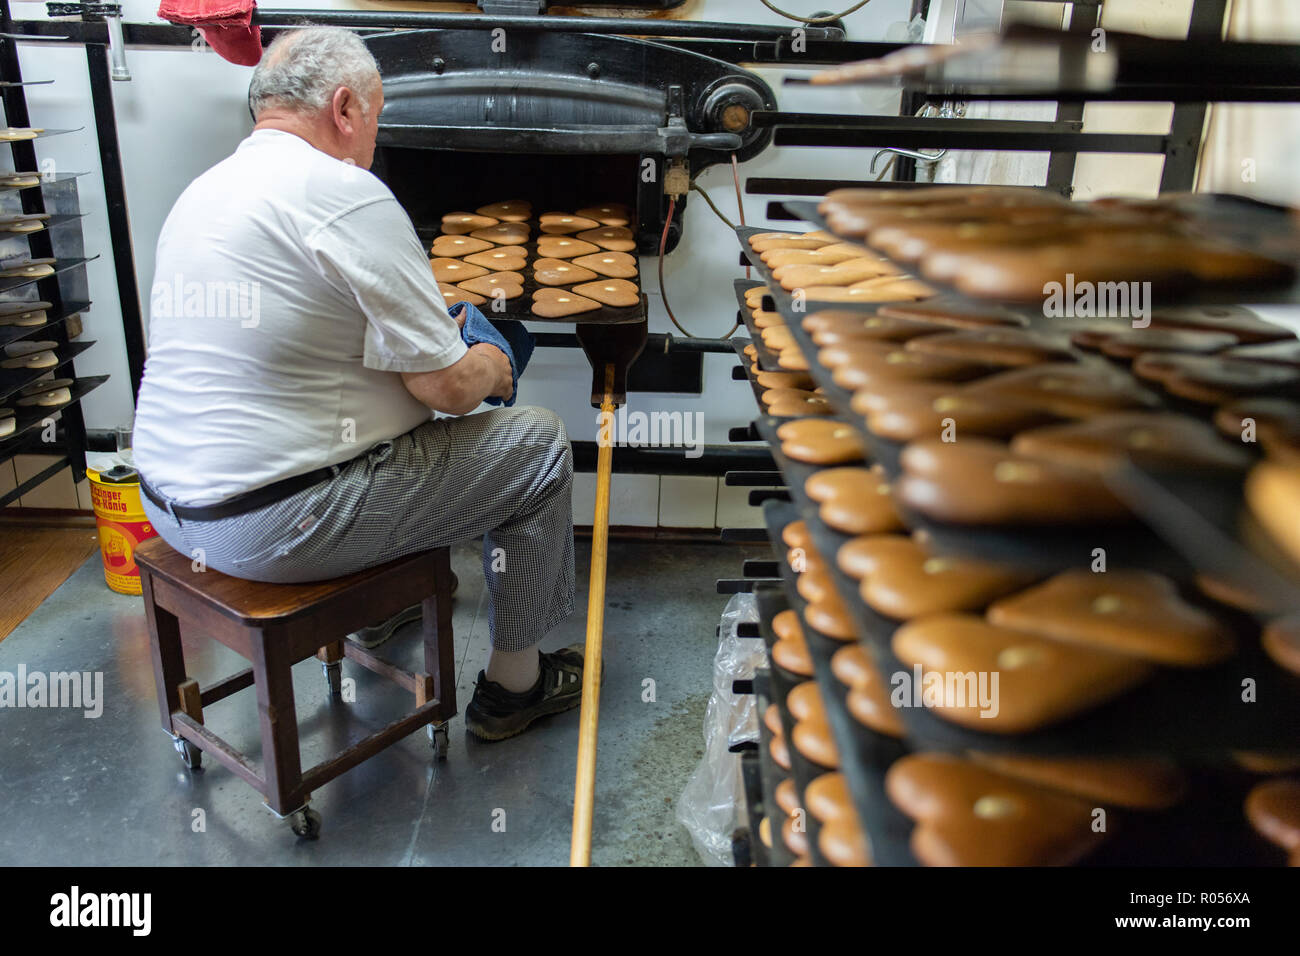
(290,290)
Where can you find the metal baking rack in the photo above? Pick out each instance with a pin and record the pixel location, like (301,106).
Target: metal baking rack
(1169,507)
(64,289)
(1174,836)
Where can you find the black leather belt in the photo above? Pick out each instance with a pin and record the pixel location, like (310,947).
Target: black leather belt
(239,504)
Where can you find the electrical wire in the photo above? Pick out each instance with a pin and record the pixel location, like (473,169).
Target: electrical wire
(826,19)
(663,292)
(695,188)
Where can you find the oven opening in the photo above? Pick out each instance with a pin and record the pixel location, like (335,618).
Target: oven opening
(431,182)
(586,274)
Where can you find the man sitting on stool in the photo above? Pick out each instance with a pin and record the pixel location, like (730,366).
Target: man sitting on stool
(297,342)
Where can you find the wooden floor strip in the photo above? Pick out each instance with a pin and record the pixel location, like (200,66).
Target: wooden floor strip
(34,561)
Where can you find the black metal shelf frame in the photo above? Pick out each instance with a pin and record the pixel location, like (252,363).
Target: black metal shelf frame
(69,444)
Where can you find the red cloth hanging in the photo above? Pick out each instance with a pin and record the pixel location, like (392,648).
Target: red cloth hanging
(227,26)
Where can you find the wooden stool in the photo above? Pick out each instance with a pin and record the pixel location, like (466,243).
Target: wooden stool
(274,626)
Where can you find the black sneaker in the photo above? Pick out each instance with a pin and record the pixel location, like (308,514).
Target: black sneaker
(372,637)
(495,713)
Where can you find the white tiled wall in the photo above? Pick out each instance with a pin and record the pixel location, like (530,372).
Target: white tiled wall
(668,501)
(55,492)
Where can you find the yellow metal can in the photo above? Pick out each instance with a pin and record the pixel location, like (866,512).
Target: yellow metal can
(122,524)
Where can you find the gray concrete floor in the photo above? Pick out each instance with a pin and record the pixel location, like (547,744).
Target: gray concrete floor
(80,791)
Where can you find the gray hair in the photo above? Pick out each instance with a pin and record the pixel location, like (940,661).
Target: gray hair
(302,69)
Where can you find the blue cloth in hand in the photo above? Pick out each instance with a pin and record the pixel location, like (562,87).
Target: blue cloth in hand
(506,334)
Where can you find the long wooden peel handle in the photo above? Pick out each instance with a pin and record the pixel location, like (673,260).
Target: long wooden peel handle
(584,790)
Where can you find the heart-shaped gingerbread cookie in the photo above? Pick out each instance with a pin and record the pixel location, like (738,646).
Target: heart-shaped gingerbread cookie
(504,234)
(455,270)
(564,223)
(508,210)
(506,285)
(1040,681)
(968,815)
(457,246)
(616,265)
(558,303)
(563,247)
(499,259)
(618,293)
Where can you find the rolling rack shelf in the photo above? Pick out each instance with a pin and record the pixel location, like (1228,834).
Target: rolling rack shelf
(1169,837)
(60,294)
(1187,527)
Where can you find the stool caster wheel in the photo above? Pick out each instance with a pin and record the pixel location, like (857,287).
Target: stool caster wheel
(334,679)
(191,755)
(305,823)
(440,737)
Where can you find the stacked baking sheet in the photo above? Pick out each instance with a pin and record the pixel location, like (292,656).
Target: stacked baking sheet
(994,651)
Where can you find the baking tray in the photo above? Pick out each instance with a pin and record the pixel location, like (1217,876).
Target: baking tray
(29,417)
(783,300)
(12,333)
(778,853)
(1260,227)
(802,771)
(862,758)
(60,266)
(14,379)
(519,308)
(1208,522)
(766,358)
(739,345)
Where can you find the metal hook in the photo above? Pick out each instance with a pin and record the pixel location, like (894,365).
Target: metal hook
(910,153)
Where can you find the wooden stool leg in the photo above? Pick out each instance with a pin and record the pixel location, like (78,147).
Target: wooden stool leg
(281,761)
(191,704)
(439,645)
(439,653)
(331,660)
(165,648)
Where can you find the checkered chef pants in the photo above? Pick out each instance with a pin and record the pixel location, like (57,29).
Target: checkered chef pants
(503,474)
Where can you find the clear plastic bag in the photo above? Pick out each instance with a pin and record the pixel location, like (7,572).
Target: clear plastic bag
(710,806)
